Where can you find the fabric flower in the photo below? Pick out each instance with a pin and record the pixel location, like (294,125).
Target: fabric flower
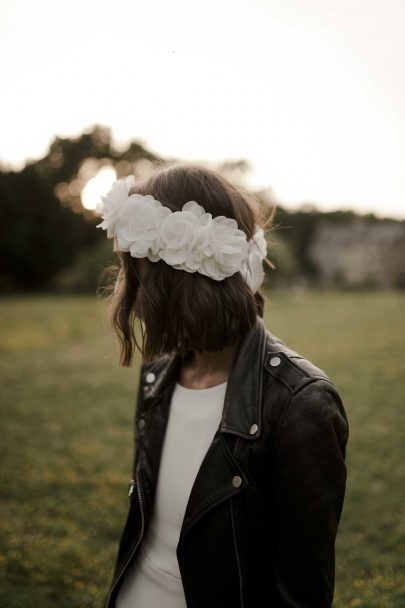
(197,251)
(226,250)
(184,235)
(112,203)
(137,228)
(252,266)
(190,239)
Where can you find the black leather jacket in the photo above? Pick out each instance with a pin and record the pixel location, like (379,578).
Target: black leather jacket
(263,513)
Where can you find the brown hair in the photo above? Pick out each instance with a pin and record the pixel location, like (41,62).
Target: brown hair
(184,311)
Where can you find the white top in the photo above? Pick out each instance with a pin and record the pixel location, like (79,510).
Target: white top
(153,579)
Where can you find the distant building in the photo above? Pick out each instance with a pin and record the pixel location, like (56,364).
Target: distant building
(360,252)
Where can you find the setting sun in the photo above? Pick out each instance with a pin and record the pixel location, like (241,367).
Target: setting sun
(97,186)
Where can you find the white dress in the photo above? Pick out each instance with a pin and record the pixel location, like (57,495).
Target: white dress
(153,580)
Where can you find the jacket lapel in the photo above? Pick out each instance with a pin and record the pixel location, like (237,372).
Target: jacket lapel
(240,416)
(243,398)
(213,482)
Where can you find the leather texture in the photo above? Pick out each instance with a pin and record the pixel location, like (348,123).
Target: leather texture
(267,539)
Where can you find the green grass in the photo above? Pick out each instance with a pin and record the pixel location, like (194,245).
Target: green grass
(66,442)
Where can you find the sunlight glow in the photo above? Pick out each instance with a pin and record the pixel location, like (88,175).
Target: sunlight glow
(312,97)
(98,186)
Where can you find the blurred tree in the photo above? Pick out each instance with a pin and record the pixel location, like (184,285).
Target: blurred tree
(296,228)
(38,235)
(286,263)
(45,230)
(235,170)
(86,273)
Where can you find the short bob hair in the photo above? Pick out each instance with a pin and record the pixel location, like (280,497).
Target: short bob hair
(183,311)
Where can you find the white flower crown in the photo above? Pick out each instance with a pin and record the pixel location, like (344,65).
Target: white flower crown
(190,239)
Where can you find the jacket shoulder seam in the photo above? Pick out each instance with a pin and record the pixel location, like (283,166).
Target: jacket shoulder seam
(279,373)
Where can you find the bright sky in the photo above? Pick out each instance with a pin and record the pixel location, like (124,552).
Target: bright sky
(310,92)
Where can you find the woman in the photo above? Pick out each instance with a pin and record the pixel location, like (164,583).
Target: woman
(239,470)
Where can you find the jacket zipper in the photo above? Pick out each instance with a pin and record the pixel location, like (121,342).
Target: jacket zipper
(123,568)
(235,541)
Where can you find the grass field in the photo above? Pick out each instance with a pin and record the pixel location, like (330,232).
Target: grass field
(66,442)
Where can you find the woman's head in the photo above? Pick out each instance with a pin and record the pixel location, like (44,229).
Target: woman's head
(182,311)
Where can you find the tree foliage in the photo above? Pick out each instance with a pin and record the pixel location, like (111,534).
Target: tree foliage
(39,236)
(46,234)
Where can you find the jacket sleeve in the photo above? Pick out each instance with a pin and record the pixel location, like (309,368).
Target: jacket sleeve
(310,483)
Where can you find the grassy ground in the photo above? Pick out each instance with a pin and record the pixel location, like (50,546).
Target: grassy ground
(66,442)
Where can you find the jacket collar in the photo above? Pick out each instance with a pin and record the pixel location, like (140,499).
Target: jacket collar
(242,411)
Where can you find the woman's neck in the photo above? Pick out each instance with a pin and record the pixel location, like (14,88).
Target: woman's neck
(206,369)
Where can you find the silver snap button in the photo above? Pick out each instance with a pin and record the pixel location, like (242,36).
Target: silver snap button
(141,423)
(150,377)
(237,481)
(253,429)
(274,361)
